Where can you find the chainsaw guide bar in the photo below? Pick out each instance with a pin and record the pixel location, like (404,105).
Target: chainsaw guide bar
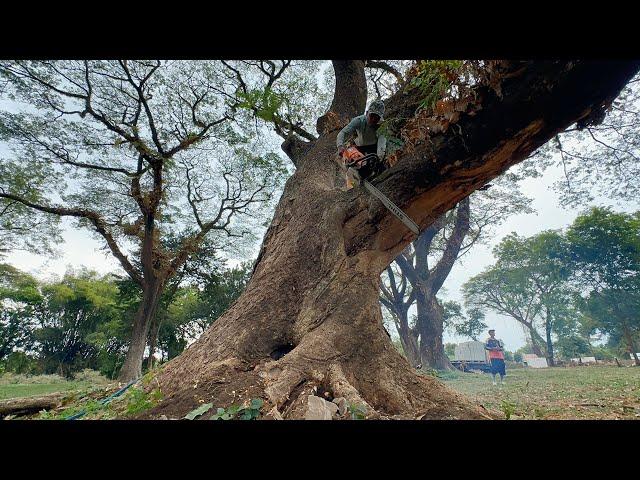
(392,207)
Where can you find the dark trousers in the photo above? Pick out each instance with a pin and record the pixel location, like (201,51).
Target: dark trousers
(497,366)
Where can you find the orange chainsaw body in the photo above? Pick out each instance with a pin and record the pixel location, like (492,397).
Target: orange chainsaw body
(351,156)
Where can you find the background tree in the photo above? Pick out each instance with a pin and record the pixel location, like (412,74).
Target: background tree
(507,292)
(469,325)
(20,227)
(572,346)
(134,151)
(529,283)
(19,297)
(71,311)
(397,298)
(83,320)
(540,259)
(605,254)
(426,264)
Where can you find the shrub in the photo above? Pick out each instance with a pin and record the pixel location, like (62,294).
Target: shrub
(13,378)
(20,362)
(91,376)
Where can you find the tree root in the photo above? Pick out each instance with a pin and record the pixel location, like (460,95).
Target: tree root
(341,387)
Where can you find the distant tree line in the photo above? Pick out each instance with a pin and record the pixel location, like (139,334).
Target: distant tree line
(84,319)
(568,288)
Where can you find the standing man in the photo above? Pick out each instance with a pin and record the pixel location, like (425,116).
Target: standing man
(496,356)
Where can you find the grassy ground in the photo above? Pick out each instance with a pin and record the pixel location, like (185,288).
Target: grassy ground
(28,390)
(588,392)
(82,394)
(14,386)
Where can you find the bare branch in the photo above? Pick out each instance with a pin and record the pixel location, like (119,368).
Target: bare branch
(94,218)
(384,66)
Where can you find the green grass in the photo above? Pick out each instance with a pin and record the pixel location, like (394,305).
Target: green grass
(28,390)
(589,392)
(15,386)
(83,394)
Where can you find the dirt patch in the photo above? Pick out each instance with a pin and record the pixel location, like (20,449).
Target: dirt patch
(222,391)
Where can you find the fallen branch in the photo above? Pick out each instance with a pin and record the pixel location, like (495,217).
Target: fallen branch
(26,405)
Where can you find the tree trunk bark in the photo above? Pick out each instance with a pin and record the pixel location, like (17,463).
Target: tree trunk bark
(132,367)
(408,339)
(153,339)
(632,346)
(430,322)
(310,315)
(547,327)
(535,347)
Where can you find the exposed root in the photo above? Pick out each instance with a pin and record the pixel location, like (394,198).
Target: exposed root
(387,392)
(341,387)
(280,382)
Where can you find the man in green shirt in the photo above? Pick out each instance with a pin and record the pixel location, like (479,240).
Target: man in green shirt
(367,141)
(365,127)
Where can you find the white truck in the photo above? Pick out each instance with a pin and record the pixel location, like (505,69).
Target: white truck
(471,356)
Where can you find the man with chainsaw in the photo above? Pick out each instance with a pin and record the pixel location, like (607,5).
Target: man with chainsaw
(368,142)
(366,158)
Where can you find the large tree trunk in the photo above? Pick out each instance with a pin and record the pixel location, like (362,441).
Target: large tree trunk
(431,325)
(632,345)
(310,314)
(132,367)
(535,342)
(547,327)
(408,340)
(154,330)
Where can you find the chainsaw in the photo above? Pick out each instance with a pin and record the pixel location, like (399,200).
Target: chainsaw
(355,161)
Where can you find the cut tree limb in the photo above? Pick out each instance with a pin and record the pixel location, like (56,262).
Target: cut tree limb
(26,405)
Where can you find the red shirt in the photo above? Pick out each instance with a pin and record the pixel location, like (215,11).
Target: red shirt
(494,342)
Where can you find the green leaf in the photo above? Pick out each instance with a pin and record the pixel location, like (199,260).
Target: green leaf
(256,403)
(221,415)
(198,411)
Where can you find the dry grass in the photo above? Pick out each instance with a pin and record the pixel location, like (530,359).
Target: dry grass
(588,392)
